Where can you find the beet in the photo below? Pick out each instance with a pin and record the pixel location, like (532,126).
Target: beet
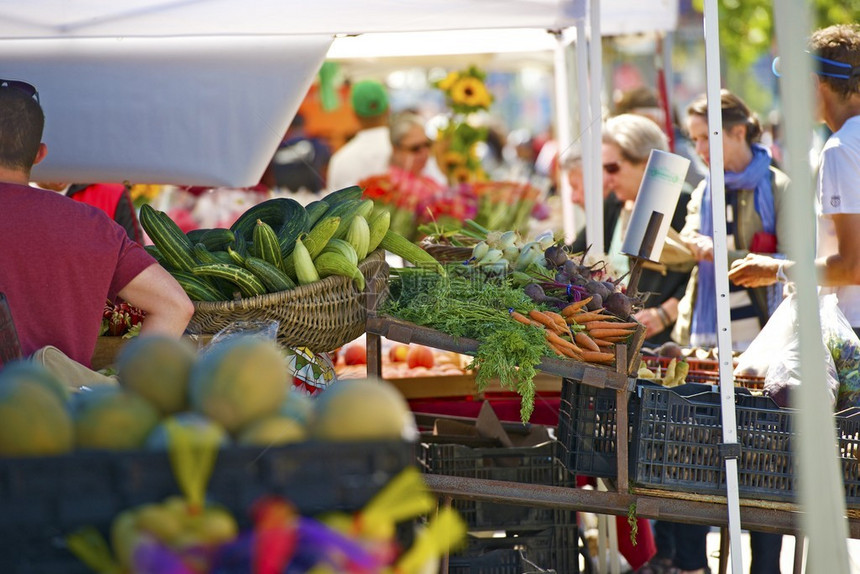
(595,303)
(562,277)
(535,292)
(619,305)
(555,255)
(598,288)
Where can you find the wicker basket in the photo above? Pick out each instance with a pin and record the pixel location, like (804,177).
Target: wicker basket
(446,253)
(321,316)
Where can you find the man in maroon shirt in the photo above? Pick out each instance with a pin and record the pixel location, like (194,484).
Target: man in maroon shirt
(60,260)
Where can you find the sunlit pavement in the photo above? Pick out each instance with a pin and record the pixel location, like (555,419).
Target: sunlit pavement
(786,558)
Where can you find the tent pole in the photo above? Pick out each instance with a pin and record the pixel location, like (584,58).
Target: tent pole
(592,196)
(724,327)
(562,115)
(820,485)
(595,130)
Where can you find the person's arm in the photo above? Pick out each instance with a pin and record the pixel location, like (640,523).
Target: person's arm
(168,308)
(842,268)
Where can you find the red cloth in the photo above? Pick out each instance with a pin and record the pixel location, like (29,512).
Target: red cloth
(60,260)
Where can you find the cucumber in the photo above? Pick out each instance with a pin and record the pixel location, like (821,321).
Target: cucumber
(305,270)
(287,217)
(316,210)
(247,282)
(402,247)
(273,278)
(332,263)
(171,242)
(378,228)
(266,244)
(217,238)
(347,193)
(314,241)
(197,288)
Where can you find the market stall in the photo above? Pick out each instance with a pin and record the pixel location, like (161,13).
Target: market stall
(34,20)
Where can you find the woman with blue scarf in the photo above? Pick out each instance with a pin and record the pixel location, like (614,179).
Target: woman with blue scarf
(754,195)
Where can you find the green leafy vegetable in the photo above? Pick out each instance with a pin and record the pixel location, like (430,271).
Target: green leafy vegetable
(463,305)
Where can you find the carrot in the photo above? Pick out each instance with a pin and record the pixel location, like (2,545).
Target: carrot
(544,320)
(570,353)
(617,339)
(557,350)
(520,318)
(592,357)
(558,341)
(604,333)
(559,320)
(586,342)
(575,307)
(603,343)
(581,318)
(609,325)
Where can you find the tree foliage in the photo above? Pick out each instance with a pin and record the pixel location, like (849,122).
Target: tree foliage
(747,35)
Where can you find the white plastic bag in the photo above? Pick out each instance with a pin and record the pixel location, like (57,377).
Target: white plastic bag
(774,353)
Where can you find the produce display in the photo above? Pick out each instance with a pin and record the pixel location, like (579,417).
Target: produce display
(236,391)
(277,245)
(522,303)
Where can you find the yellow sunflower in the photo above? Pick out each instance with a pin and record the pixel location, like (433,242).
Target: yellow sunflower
(470,92)
(449,81)
(461,174)
(452,160)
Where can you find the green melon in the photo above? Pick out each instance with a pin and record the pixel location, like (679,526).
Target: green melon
(33,419)
(273,430)
(22,369)
(157,367)
(362,409)
(297,406)
(238,381)
(111,418)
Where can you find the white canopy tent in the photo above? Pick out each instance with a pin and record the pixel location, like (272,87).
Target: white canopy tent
(199,92)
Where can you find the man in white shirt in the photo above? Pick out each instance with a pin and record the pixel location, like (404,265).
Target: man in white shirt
(836,51)
(369,151)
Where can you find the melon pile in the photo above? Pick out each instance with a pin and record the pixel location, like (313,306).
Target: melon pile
(239,390)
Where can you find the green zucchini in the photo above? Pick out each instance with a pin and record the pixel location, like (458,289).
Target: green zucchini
(331,263)
(316,210)
(347,193)
(247,282)
(197,288)
(266,245)
(166,235)
(217,238)
(402,247)
(273,278)
(286,216)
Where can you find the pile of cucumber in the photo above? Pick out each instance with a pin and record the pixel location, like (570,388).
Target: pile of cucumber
(277,245)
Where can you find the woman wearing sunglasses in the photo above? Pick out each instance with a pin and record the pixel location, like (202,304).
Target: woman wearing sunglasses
(627,143)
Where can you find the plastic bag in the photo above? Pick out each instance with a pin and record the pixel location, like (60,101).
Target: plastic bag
(264,328)
(775,354)
(844,347)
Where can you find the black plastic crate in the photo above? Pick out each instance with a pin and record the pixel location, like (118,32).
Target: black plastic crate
(679,437)
(44,499)
(556,548)
(499,561)
(587,424)
(530,465)
(848,427)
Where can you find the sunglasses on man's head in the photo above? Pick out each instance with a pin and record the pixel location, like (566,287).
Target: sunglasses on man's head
(415,148)
(612,168)
(23,87)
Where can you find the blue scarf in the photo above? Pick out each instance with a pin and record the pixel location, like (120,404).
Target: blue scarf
(757,177)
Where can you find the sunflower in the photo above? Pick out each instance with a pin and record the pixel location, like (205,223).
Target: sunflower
(449,81)
(461,174)
(470,92)
(452,160)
